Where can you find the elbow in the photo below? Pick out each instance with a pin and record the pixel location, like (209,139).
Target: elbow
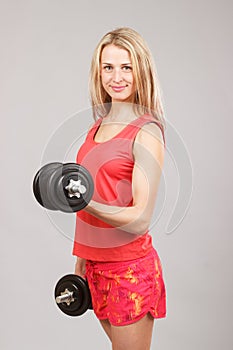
(141,221)
(141,227)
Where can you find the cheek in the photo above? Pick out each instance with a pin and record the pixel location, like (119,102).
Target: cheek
(105,79)
(133,80)
(130,79)
(131,83)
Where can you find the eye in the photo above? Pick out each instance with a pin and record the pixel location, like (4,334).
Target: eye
(107,68)
(127,68)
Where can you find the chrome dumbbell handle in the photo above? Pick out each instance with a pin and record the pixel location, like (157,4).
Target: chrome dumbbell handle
(65,297)
(75,188)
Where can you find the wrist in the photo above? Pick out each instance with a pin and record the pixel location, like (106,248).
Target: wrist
(90,207)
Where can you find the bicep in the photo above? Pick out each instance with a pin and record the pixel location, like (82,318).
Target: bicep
(148,153)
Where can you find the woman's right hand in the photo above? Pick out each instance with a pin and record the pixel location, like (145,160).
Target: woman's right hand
(80,267)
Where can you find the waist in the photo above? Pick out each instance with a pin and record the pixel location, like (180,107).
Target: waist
(135,249)
(110,265)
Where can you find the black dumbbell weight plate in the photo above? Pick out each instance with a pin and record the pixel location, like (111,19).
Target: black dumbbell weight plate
(40,185)
(81,295)
(61,178)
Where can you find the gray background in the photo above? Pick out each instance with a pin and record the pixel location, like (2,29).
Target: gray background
(46,48)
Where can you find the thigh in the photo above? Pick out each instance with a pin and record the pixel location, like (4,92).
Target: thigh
(107,328)
(135,336)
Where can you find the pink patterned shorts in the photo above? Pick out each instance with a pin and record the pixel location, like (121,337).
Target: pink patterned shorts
(124,292)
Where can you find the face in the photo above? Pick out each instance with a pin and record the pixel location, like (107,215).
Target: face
(117,73)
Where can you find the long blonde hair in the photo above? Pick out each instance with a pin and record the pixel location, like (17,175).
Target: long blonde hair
(147,99)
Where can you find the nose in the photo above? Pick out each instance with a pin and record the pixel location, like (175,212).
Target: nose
(117,76)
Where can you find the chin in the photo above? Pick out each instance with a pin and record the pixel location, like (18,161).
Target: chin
(121,98)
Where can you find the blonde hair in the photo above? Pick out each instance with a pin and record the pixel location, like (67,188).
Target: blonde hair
(147,99)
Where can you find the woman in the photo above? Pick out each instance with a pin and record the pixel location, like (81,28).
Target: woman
(124,152)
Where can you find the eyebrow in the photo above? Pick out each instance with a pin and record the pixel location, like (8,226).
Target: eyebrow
(123,64)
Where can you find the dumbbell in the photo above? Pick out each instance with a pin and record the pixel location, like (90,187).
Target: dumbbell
(66,187)
(72,295)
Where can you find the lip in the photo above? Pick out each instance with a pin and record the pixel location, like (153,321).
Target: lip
(118,88)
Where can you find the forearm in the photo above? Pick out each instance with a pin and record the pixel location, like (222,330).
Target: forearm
(131,219)
(80,267)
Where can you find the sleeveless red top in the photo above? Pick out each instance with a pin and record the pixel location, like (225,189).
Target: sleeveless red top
(111,165)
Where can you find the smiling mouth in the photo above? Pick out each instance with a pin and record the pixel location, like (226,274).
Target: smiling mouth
(118,88)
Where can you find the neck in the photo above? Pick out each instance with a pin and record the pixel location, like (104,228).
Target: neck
(121,111)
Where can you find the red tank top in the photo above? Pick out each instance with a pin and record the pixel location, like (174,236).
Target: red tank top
(111,165)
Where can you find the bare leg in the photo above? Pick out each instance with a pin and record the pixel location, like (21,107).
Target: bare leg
(107,327)
(136,336)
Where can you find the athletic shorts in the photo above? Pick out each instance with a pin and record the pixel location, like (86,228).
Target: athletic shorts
(124,292)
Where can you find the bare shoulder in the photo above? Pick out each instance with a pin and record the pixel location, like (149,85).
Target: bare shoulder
(150,133)
(149,142)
